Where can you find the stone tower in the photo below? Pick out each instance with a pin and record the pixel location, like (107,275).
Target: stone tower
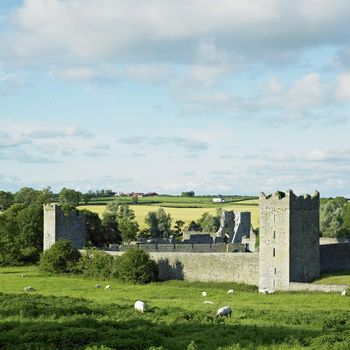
(289,239)
(59,226)
(234,225)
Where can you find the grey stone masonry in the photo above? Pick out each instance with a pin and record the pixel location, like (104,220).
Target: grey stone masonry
(59,226)
(289,239)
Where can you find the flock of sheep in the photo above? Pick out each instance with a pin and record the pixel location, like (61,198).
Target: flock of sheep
(140,306)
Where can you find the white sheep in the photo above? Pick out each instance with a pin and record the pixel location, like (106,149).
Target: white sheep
(108,286)
(98,286)
(230,291)
(208,302)
(224,311)
(29,289)
(204,294)
(140,306)
(344,293)
(23,275)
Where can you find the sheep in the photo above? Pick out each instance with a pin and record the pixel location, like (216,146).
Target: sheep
(140,306)
(208,302)
(98,286)
(344,293)
(204,294)
(29,289)
(224,311)
(230,291)
(108,286)
(23,275)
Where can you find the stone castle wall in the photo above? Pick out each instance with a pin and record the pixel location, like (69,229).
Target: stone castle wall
(335,257)
(207,267)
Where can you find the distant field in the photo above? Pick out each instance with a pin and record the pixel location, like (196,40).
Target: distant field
(177,201)
(185,214)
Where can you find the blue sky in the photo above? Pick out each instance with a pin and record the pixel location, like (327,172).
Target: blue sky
(230,97)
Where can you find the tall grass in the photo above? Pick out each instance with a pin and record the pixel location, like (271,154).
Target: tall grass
(68,312)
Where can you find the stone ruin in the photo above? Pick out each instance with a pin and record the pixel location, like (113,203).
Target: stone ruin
(234,226)
(57,226)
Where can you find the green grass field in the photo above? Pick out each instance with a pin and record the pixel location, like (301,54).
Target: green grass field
(68,312)
(185,214)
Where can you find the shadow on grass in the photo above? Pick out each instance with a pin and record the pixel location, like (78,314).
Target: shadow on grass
(40,322)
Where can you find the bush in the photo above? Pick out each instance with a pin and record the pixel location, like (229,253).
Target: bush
(60,257)
(96,264)
(136,266)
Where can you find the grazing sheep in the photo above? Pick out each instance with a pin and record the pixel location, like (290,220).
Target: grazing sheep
(230,291)
(98,286)
(224,311)
(23,275)
(343,293)
(108,286)
(29,289)
(204,294)
(263,291)
(208,302)
(140,306)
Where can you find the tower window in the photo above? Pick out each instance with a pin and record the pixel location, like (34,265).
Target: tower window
(274,252)
(274,234)
(275,271)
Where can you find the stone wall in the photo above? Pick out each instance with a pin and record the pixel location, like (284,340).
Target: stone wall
(335,257)
(325,288)
(181,247)
(207,267)
(57,226)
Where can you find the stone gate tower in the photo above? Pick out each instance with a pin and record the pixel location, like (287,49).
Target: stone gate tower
(59,226)
(289,239)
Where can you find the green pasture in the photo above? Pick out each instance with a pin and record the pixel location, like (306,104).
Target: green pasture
(185,214)
(176,201)
(68,312)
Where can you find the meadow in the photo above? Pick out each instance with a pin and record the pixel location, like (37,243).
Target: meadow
(68,312)
(186,213)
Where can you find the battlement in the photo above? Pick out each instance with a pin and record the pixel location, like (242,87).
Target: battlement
(288,200)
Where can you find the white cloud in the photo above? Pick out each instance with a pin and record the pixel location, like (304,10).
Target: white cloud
(71,131)
(343,88)
(115,30)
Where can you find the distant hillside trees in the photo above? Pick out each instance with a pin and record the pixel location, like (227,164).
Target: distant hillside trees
(187,194)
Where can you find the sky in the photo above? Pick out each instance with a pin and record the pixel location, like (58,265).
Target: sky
(216,97)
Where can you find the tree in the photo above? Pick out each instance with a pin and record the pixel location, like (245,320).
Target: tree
(159,223)
(86,197)
(21,227)
(128,229)
(136,266)
(187,194)
(331,217)
(95,233)
(6,200)
(210,223)
(28,196)
(60,257)
(119,222)
(69,199)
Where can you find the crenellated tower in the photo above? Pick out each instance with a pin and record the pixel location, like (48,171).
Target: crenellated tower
(289,239)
